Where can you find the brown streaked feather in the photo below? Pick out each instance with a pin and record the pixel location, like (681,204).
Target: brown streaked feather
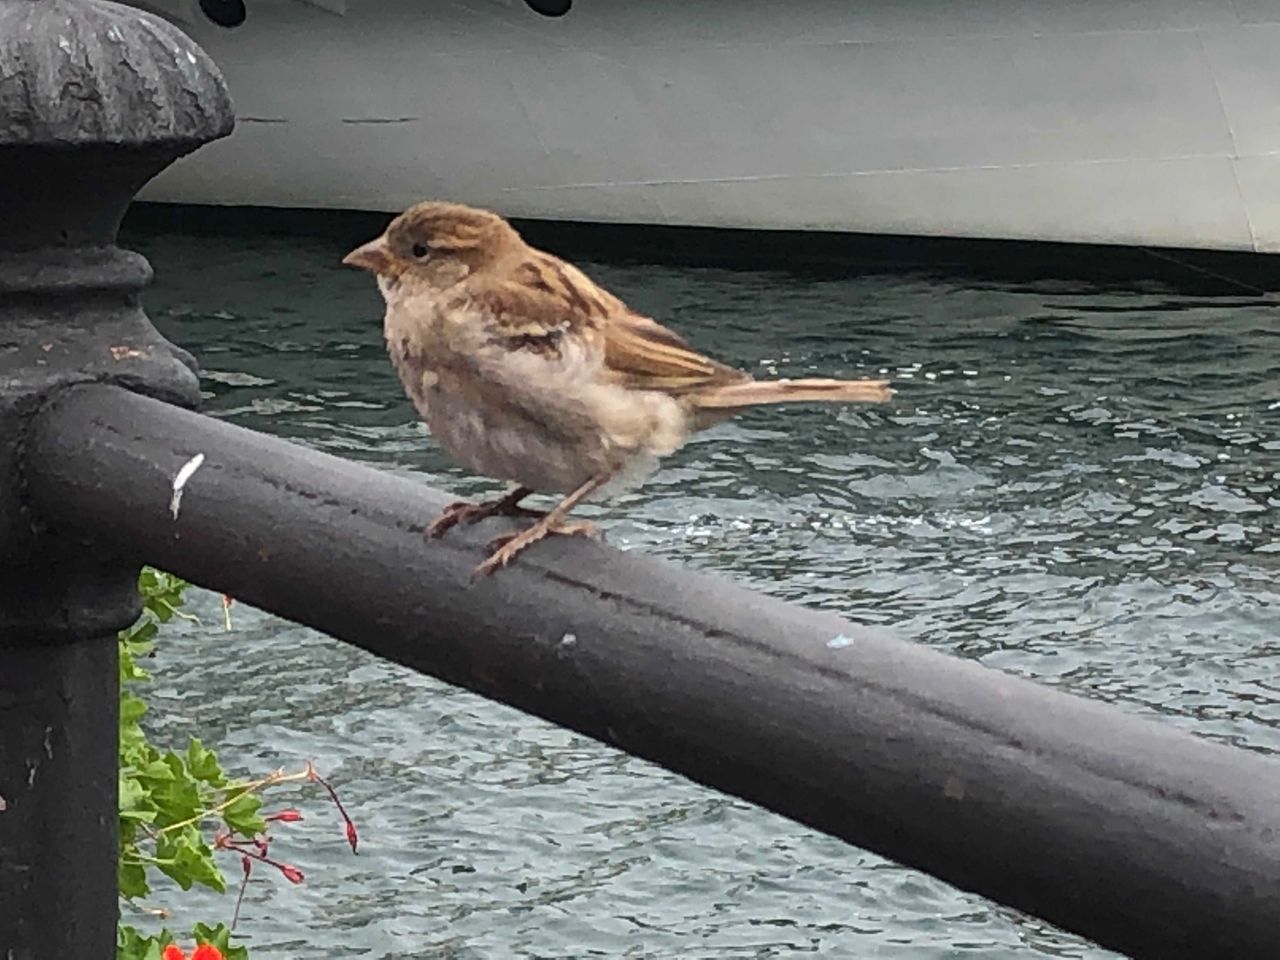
(639,352)
(517,311)
(754,393)
(531,275)
(543,297)
(644,355)
(574,286)
(545,293)
(449,227)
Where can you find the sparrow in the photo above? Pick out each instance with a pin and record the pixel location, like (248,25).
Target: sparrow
(527,371)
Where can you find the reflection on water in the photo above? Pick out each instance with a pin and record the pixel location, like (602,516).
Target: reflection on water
(1076,484)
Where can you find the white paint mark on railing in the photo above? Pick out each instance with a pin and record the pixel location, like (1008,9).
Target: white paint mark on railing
(180,481)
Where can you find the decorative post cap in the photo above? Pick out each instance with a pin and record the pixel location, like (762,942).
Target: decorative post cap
(89,72)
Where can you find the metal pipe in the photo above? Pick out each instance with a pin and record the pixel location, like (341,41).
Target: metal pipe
(1143,837)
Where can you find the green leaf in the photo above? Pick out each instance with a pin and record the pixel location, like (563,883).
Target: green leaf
(140,636)
(132,879)
(134,749)
(129,669)
(203,764)
(176,766)
(176,800)
(131,709)
(131,945)
(158,770)
(242,815)
(135,801)
(161,593)
(187,859)
(177,795)
(128,836)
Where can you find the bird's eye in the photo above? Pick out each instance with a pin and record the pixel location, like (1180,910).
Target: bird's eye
(419,250)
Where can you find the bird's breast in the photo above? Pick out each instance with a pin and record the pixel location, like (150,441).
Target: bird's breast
(417,373)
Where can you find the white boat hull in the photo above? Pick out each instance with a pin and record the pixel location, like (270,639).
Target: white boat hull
(1154,122)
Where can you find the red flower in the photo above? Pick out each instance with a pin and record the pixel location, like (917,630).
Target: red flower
(206,951)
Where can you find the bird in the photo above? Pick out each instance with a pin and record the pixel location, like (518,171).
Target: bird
(527,371)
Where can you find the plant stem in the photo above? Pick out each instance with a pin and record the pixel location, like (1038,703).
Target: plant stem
(242,790)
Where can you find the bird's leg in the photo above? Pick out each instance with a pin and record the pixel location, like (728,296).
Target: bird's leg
(506,547)
(464,512)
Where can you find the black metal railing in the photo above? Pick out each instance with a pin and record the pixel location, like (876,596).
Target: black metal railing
(1138,835)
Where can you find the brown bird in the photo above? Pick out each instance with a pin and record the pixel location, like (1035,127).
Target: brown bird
(527,371)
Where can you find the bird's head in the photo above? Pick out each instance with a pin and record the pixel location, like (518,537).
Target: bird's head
(435,245)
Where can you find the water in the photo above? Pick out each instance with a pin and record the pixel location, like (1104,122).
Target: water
(1074,483)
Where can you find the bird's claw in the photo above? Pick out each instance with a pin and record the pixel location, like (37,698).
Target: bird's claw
(464,512)
(450,517)
(507,547)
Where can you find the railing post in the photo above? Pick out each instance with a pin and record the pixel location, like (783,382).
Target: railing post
(95,99)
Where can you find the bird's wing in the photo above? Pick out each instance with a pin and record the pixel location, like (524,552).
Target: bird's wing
(539,302)
(545,298)
(644,355)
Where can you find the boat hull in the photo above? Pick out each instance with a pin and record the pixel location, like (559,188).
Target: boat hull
(1147,123)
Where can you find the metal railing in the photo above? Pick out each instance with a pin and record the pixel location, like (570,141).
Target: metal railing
(1140,836)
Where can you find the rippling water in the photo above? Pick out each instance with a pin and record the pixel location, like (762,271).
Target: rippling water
(1074,483)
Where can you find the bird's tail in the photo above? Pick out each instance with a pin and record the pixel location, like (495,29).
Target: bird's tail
(753,393)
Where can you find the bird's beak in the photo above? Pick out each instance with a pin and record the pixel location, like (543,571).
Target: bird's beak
(374,256)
